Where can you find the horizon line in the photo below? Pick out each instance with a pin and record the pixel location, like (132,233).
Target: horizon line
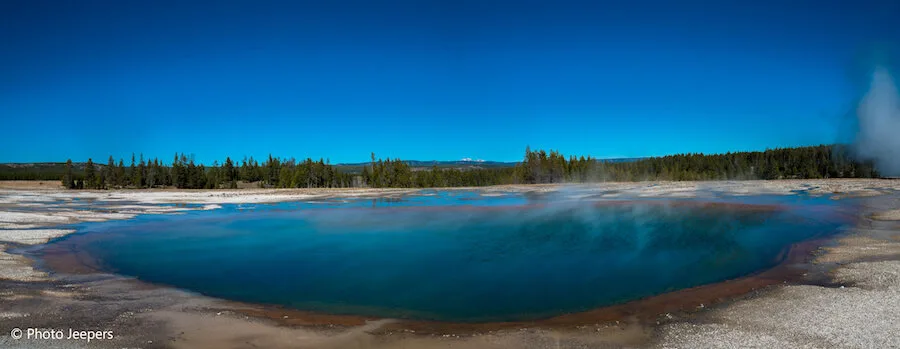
(237,161)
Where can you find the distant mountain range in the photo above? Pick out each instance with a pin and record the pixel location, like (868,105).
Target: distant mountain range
(465,163)
(616,160)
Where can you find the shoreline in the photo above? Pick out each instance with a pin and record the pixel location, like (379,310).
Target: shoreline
(639,327)
(65,258)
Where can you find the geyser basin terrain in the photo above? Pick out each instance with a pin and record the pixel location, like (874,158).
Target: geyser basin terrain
(455,257)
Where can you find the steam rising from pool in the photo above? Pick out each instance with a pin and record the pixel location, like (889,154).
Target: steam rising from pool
(879,124)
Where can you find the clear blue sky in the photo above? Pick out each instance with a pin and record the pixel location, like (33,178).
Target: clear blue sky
(424,80)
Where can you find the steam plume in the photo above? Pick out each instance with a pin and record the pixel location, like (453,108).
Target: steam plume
(878,137)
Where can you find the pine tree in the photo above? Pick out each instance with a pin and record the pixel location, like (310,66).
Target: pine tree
(102,173)
(230,173)
(366,177)
(120,174)
(135,177)
(110,172)
(141,173)
(90,178)
(68,179)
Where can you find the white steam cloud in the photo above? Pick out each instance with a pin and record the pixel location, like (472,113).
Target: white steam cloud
(878,137)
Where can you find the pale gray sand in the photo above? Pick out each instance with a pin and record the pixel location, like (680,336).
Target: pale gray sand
(864,315)
(32,236)
(16,267)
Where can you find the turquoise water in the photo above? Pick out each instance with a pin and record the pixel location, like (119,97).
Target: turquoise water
(455,256)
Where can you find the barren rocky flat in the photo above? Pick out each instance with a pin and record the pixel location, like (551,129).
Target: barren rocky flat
(850,301)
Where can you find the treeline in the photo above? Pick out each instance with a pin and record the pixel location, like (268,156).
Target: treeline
(30,172)
(824,161)
(185,173)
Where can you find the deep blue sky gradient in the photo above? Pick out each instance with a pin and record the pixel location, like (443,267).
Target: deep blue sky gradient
(430,79)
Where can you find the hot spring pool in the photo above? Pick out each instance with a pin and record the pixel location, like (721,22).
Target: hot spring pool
(455,256)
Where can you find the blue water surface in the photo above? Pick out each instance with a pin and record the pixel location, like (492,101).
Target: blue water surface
(457,255)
